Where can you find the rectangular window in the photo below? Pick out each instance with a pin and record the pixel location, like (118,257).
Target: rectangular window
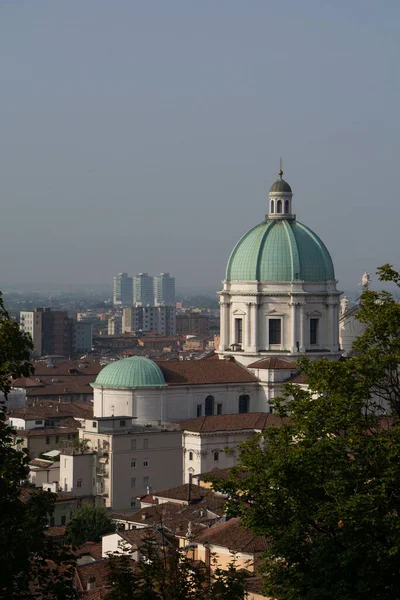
(133,463)
(38,422)
(47,439)
(238,331)
(244,404)
(199,410)
(314,331)
(216,456)
(122,423)
(63,519)
(146,462)
(94,424)
(79,483)
(133,444)
(145,481)
(274,331)
(133,482)
(145,444)
(219,409)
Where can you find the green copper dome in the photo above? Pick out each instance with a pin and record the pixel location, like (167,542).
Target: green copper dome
(134,372)
(280,185)
(280,250)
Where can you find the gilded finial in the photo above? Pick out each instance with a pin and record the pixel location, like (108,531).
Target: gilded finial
(280,172)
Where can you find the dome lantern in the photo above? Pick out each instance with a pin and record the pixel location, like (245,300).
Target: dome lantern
(280,199)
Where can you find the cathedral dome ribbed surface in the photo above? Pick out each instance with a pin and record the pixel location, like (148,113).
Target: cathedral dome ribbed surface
(133,372)
(280,250)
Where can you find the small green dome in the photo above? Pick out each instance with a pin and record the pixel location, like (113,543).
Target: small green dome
(280,250)
(280,185)
(133,372)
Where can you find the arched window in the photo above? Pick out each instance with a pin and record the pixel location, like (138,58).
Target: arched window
(279,207)
(209,406)
(244,401)
(190,455)
(272,206)
(216,455)
(286,207)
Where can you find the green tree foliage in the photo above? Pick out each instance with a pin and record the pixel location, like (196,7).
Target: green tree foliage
(324,487)
(29,562)
(88,524)
(166,573)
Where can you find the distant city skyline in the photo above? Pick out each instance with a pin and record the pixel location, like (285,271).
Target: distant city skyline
(145,135)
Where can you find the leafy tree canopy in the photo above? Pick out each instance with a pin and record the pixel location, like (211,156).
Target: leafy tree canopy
(28,559)
(88,524)
(325,486)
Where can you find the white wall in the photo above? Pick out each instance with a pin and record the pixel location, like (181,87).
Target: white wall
(202,446)
(76,473)
(176,402)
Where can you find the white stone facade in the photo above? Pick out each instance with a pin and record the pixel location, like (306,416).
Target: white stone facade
(247,307)
(175,403)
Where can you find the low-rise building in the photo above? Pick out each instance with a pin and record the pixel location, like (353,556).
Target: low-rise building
(123,460)
(212,442)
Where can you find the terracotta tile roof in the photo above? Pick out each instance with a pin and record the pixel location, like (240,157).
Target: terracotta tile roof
(92,548)
(48,409)
(182,492)
(91,572)
(299,378)
(176,517)
(55,532)
(234,537)
(236,422)
(136,537)
(43,464)
(96,594)
(273,363)
(197,372)
(44,431)
(67,367)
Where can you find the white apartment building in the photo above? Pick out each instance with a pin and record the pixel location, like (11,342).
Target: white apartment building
(160,319)
(122,290)
(122,461)
(164,289)
(143,292)
(114,325)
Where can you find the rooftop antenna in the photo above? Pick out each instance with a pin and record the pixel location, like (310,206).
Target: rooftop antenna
(280,172)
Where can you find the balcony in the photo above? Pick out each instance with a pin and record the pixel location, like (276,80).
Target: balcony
(100,472)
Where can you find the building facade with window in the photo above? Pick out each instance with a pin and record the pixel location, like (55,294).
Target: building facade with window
(279,295)
(211,443)
(156,393)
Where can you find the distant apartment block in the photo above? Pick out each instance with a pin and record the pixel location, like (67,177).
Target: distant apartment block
(51,330)
(192,323)
(159,319)
(115,325)
(122,290)
(83,336)
(164,290)
(143,293)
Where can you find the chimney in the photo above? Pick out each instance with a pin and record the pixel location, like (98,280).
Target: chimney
(144,515)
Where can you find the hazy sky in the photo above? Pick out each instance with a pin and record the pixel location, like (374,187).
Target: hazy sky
(143,135)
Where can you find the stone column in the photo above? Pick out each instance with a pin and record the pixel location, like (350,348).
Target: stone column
(294,327)
(302,329)
(224,323)
(254,327)
(247,338)
(331,326)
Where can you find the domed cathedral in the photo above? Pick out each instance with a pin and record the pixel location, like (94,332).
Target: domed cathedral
(279,296)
